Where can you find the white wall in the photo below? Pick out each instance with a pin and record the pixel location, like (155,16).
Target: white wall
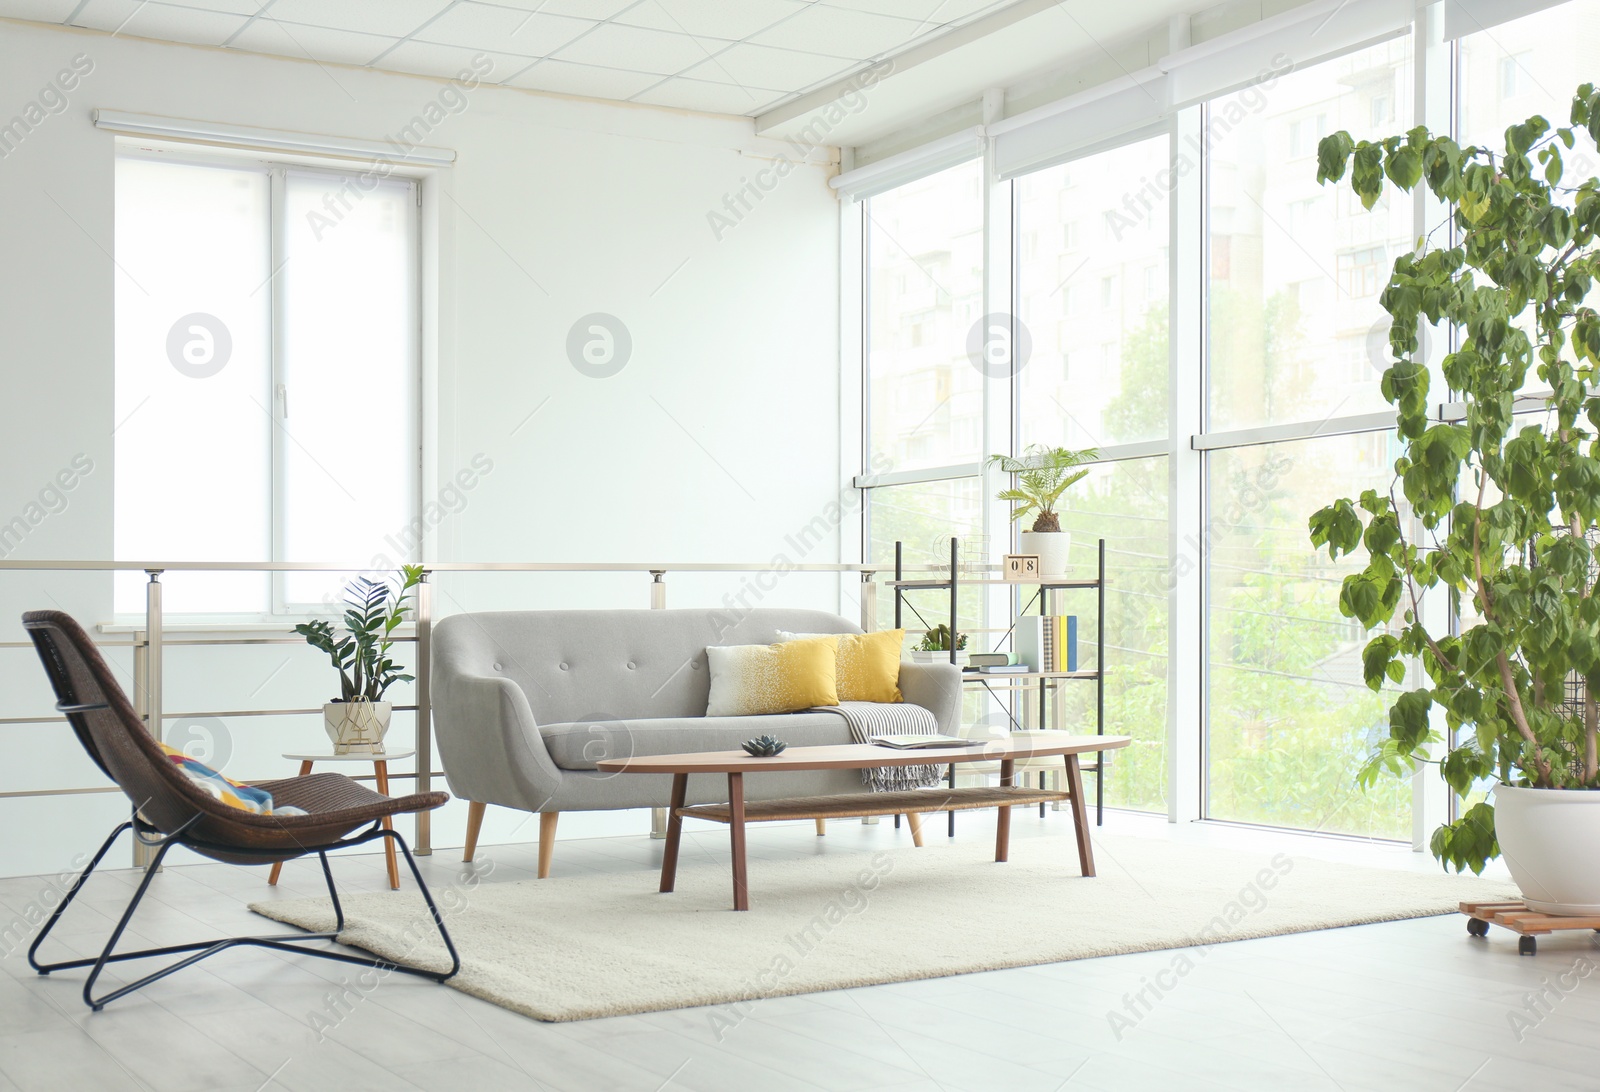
(718,439)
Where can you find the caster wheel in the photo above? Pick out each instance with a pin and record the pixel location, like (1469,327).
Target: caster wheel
(1477,927)
(1527,946)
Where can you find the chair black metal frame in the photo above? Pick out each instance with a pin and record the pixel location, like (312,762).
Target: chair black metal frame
(319,813)
(152,838)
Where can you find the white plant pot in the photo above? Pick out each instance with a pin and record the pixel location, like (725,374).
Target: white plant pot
(356,727)
(920,657)
(1550,839)
(1051,547)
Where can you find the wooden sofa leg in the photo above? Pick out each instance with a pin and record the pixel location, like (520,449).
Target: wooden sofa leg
(547,841)
(822,827)
(914,821)
(475,812)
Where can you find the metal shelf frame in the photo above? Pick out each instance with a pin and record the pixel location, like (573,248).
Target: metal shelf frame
(1044,594)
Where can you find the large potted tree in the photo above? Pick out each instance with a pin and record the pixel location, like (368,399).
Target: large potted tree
(357,720)
(1494,507)
(1039,478)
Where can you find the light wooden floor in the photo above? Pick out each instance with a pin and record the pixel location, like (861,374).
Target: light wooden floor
(1411,1005)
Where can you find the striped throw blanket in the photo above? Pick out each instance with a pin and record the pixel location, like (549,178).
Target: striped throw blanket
(871,718)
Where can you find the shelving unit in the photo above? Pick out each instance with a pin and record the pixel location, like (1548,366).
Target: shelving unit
(1047,683)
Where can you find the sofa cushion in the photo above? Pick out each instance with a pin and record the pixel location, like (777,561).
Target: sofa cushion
(868,666)
(578,746)
(760,680)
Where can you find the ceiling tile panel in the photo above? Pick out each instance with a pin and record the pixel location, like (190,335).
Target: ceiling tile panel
(763,66)
(712,18)
(642,50)
(503,30)
(396,18)
(577,9)
(42,11)
(131,18)
(934,13)
(292,40)
(590,80)
(428,59)
(859,34)
(711,98)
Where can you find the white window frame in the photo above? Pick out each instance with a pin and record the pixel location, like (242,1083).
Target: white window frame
(279,605)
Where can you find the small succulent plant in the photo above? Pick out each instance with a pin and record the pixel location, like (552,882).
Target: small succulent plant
(764,747)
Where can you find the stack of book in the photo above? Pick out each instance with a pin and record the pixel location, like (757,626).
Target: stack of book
(1048,643)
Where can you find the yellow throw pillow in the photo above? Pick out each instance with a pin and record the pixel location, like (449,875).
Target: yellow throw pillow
(869,663)
(751,680)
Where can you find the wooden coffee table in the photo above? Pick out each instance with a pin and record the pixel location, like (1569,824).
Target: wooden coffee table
(736,813)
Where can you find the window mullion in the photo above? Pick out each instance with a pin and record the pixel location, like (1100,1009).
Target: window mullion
(277,250)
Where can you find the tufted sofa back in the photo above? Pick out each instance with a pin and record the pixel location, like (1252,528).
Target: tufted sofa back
(580,665)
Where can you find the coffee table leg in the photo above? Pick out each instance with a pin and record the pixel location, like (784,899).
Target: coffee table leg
(669,856)
(1002,837)
(1080,816)
(741,890)
(380,776)
(272,877)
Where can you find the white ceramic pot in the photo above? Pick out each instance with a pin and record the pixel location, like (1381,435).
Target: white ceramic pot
(1051,546)
(356,727)
(920,657)
(1550,839)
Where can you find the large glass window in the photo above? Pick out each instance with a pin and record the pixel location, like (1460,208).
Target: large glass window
(266,362)
(1289,717)
(1295,331)
(1092,291)
(924,285)
(1124,503)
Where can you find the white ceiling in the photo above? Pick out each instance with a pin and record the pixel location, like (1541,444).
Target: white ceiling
(740,57)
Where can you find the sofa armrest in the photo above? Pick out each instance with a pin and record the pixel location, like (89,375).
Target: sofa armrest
(489,741)
(937,688)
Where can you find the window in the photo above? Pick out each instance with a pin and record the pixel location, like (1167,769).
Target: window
(1363,272)
(1289,716)
(1305,133)
(1125,503)
(266,366)
(924,285)
(1277,356)
(1102,401)
(1513,75)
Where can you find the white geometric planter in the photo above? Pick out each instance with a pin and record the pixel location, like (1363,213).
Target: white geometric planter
(356,727)
(1550,839)
(920,657)
(1052,548)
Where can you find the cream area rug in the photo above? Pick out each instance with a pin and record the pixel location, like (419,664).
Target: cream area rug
(578,947)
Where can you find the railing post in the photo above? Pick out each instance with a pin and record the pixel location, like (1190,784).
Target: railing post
(149,681)
(658,601)
(424,746)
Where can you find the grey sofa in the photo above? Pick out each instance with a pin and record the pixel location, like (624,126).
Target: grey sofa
(526,702)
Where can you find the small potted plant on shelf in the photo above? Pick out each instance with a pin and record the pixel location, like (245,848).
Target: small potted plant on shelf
(357,720)
(935,646)
(1039,478)
(1494,511)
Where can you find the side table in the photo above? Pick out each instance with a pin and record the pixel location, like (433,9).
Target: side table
(380,770)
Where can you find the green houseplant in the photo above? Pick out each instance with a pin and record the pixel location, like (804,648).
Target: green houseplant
(358,718)
(1494,511)
(936,646)
(1038,480)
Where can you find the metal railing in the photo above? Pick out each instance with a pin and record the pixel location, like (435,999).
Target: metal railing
(149,642)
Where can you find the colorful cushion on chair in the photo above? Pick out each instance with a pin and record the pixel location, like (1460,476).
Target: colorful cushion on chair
(224,789)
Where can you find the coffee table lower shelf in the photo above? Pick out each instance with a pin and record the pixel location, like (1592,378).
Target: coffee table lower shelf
(912,803)
(859,805)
